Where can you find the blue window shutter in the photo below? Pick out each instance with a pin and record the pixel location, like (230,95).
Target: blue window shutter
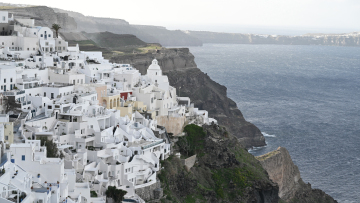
(23,157)
(12,160)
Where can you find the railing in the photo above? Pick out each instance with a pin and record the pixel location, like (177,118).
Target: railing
(152,144)
(12,93)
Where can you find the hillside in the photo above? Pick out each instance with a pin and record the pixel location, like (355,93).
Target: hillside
(223,172)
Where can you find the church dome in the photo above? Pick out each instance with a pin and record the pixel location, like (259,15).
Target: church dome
(154,65)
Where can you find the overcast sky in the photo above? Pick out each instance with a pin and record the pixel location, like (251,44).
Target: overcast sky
(223,15)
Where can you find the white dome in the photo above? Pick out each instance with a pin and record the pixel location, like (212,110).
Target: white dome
(154,65)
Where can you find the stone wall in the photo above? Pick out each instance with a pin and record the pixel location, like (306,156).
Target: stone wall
(150,192)
(172,124)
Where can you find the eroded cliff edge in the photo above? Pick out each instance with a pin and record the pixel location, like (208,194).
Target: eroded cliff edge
(286,174)
(224,172)
(179,65)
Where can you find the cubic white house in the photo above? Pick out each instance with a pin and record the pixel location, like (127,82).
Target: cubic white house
(107,123)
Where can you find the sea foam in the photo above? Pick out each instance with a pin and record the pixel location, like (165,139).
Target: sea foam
(267,135)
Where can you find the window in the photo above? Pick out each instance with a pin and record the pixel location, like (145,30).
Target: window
(3,18)
(49,107)
(10,79)
(59,42)
(33,49)
(28,49)
(44,94)
(4,80)
(12,43)
(52,95)
(49,35)
(41,35)
(47,43)
(59,48)
(78,81)
(2,87)
(63,48)
(23,157)
(34,33)
(6,137)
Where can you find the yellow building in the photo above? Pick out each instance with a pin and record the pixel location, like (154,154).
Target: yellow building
(126,109)
(8,132)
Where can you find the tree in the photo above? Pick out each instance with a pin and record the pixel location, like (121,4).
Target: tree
(56,27)
(116,194)
(51,148)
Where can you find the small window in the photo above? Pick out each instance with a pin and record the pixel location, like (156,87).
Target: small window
(34,33)
(44,94)
(5,80)
(10,79)
(41,35)
(6,137)
(12,43)
(49,107)
(63,48)
(3,18)
(23,157)
(28,49)
(49,35)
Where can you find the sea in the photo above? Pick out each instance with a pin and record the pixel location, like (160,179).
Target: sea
(304,98)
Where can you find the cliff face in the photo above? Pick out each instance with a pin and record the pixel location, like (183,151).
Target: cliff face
(286,174)
(224,171)
(180,67)
(149,34)
(45,16)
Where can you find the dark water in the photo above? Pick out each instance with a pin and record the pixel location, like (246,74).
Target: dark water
(305,98)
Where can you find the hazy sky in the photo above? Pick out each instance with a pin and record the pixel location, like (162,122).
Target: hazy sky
(223,15)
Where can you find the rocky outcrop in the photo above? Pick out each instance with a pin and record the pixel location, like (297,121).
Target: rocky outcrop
(286,174)
(180,67)
(224,171)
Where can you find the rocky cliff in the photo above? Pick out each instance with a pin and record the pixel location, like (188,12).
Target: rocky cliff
(224,171)
(45,16)
(149,34)
(286,174)
(180,67)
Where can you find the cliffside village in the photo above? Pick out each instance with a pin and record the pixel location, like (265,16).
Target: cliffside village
(110,124)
